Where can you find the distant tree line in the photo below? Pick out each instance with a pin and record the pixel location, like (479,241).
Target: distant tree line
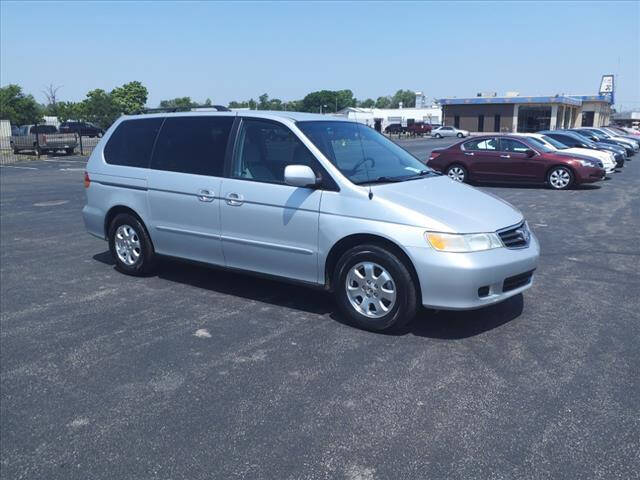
(327,101)
(99,107)
(103,108)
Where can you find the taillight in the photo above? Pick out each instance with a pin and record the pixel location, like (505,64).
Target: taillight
(434,155)
(87,180)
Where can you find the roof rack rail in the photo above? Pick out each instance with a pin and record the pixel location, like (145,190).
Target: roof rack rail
(217,108)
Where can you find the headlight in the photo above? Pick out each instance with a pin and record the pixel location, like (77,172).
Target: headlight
(457,243)
(586,163)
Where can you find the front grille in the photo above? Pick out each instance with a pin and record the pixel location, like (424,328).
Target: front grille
(517,281)
(515,237)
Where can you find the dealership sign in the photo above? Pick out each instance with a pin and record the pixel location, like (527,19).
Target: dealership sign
(606,85)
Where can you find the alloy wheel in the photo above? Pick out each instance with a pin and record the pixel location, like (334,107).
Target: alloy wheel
(456,173)
(370,289)
(559,178)
(127,243)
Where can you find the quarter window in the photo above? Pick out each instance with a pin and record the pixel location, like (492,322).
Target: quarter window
(195,145)
(265,149)
(131,144)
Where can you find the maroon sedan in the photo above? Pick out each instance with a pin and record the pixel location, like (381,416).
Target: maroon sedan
(513,159)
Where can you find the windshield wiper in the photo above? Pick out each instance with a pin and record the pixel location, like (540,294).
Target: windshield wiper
(421,174)
(380,180)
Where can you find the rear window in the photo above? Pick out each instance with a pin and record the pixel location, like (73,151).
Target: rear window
(131,144)
(195,145)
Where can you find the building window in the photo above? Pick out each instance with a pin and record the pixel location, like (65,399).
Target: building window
(534,119)
(456,121)
(587,119)
(481,123)
(496,123)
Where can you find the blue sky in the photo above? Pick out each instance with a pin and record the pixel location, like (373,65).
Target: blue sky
(228,51)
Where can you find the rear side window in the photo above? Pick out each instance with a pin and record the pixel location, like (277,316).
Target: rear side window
(195,145)
(481,144)
(131,144)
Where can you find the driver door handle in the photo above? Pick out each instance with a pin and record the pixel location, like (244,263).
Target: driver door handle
(468,153)
(505,156)
(205,195)
(234,199)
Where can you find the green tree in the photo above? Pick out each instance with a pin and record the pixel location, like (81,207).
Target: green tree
(236,104)
(130,97)
(18,108)
(180,103)
(66,111)
(368,103)
(383,102)
(100,108)
(263,102)
(207,102)
(407,97)
(334,100)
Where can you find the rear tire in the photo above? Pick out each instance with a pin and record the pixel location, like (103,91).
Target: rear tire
(374,289)
(560,178)
(460,135)
(70,151)
(437,135)
(457,173)
(131,246)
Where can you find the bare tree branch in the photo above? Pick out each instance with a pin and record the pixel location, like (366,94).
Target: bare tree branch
(51,92)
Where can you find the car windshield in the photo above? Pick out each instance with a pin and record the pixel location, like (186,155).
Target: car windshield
(555,143)
(540,145)
(362,154)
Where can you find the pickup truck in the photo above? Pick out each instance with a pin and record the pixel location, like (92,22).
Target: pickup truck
(43,139)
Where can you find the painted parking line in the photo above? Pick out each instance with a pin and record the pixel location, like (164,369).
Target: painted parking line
(62,161)
(23,168)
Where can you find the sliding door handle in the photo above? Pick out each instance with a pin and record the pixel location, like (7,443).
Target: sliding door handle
(234,199)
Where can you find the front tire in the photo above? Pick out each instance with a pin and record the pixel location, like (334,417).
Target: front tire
(131,246)
(460,135)
(374,289)
(437,135)
(560,178)
(457,173)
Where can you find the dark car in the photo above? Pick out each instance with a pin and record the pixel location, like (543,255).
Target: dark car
(84,129)
(572,139)
(598,137)
(513,159)
(419,128)
(395,128)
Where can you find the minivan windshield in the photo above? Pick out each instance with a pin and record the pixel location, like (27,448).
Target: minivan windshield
(362,154)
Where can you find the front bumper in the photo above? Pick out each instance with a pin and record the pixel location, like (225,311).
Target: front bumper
(459,281)
(589,174)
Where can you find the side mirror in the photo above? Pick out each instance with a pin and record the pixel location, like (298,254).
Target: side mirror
(529,153)
(299,176)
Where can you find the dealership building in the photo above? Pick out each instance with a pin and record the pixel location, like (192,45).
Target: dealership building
(515,113)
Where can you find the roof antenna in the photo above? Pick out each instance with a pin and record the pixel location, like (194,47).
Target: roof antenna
(355,114)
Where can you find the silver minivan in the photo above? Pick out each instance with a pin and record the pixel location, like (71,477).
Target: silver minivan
(307,198)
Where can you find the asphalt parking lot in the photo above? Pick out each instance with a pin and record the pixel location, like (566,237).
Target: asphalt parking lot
(196,373)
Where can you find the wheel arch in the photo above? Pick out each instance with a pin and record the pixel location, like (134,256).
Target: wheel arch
(118,209)
(350,241)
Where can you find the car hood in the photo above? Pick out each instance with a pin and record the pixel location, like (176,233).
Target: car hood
(441,204)
(586,153)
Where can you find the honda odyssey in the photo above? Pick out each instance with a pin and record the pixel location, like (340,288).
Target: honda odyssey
(307,198)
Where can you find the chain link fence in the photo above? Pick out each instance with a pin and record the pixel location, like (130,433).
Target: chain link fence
(42,141)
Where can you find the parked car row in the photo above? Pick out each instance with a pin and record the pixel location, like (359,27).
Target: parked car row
(557,158)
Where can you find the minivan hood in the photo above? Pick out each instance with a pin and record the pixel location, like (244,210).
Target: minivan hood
(441,204)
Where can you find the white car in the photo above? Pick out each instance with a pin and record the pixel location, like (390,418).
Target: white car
(449,132)
(607,158)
